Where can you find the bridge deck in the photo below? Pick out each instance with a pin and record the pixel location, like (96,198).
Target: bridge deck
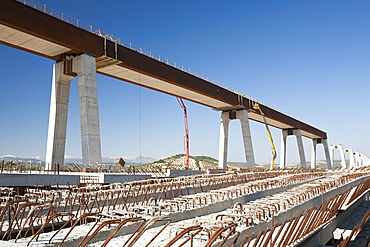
(31,30)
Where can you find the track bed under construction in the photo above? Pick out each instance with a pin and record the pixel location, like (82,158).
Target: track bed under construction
(254,208)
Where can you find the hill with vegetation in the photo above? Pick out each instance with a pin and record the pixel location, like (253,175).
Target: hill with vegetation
(177,162)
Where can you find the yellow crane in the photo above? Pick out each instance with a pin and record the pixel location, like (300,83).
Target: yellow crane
(256,106)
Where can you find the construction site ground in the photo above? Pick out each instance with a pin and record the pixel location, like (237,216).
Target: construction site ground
(295,207)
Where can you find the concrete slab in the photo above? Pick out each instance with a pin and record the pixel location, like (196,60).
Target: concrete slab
(123,178)
(108,178)
(26,179)
(37,179)
(178,173)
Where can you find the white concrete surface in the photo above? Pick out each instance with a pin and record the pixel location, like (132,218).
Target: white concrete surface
(123,178)
(242,115)
(284,135)
(327,154)
(16,179)
(224,140)
(31,179)
(58,116)
(297,133)
(178,173)
(85,67)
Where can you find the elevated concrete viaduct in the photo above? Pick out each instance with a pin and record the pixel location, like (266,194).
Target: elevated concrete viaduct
(36,31)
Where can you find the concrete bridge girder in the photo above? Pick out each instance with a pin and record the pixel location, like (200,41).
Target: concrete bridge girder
(84,67)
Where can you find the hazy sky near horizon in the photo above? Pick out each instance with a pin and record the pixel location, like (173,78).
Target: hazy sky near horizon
(310,59)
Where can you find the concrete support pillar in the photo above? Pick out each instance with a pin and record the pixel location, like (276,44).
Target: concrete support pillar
(351,157)
(285,134)
(326,150)
(313,153)
(58,116)
(366,161)
(327,154)
(360,160)
(357,159)
(242,115)
(302,156)
(226,117)
(342,158)
(85,67)
(224,140)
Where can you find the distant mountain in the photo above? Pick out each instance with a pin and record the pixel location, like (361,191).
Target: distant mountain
(16,159)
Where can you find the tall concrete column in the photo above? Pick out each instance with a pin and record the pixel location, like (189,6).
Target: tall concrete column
(242,115)
(85,67)
(224,139)
(357,160)
(297,133)
(284,135)
(326,150)
(55,148)
(327,154)
(360,160)
(341,152)
(226,117)
(351,160)
(366,161)
(351,157)
(313,153)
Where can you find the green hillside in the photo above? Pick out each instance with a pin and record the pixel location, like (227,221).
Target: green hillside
(177,162)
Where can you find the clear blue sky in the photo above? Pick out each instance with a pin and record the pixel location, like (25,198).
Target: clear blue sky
(310,59)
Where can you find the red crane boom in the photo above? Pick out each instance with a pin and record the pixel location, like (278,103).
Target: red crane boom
(186,137)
